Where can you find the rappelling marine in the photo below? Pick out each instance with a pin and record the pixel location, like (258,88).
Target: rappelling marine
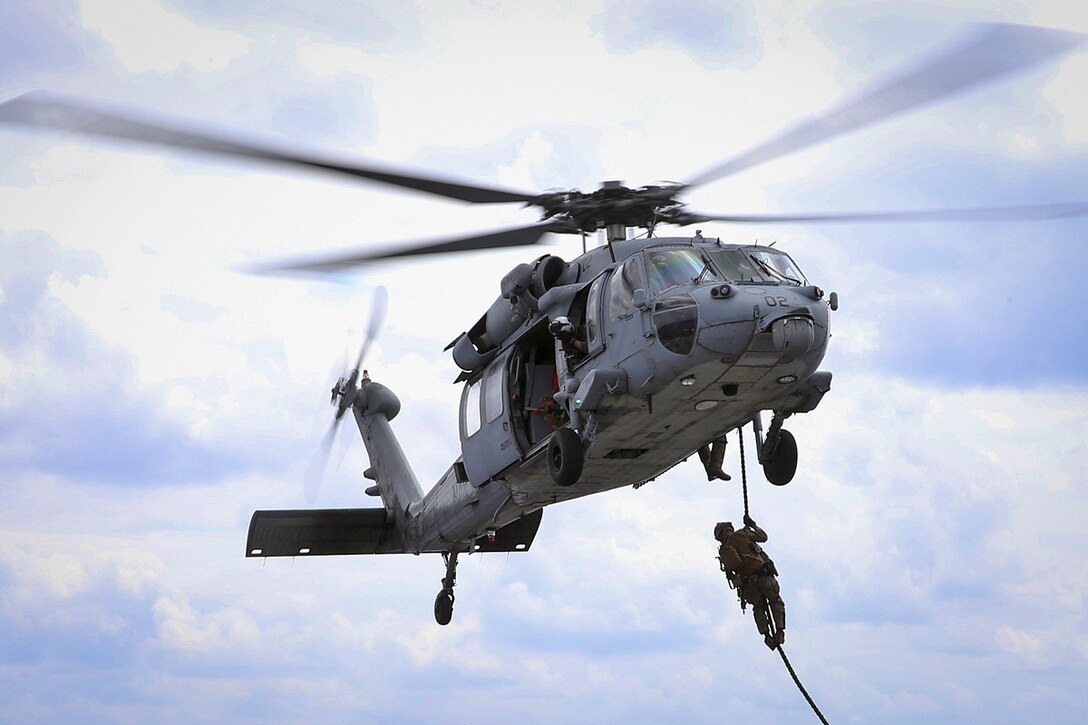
(752,573)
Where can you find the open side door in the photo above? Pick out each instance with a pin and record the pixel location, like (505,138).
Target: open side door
(487,441)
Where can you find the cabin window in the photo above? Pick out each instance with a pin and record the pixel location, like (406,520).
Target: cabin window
(594,340)
(470,408)
(494,392)
(624,283)
(672,267)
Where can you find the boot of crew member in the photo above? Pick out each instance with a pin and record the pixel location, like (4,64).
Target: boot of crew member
(704,458)
(717,457)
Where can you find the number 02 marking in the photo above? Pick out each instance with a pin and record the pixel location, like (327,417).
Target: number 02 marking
(775,301)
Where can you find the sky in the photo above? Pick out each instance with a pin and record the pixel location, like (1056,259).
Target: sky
(931,549)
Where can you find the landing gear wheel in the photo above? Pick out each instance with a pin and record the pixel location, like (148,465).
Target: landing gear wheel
(565,457)
(782,464)
(443,607)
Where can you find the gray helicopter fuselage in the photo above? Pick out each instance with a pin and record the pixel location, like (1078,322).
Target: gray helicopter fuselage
(682,341)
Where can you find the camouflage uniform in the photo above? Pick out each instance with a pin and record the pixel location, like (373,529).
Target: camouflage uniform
(753,573)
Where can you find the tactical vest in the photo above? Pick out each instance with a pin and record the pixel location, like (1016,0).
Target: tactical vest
(740,554)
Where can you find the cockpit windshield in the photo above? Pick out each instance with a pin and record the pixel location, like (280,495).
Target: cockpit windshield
(757,264)
(671,267)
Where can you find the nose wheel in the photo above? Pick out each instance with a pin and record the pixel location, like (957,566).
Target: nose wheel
(778,453)
(443,603)
(782,462)
(566,456)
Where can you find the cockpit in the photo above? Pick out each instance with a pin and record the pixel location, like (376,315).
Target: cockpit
(665,277)
(761,265)
(671,267)
(668,268)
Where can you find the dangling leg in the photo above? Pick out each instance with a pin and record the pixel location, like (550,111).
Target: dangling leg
(704,458)
(753,596)
(759,611)
(777,607)
(717,457)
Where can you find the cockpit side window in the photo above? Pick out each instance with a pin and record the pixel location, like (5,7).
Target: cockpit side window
(672,267)
(624,283)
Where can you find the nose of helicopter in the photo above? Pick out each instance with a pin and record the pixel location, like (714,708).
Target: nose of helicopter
(793,336)
(783,323)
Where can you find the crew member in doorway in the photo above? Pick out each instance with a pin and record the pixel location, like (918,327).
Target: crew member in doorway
(563,330)
(752,573)
(712,455)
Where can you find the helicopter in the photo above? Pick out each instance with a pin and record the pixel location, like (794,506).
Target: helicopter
(602,371)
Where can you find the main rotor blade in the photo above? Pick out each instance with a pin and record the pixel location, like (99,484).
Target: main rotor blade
(513,237)
(987,53)
(43,111)
(989,214)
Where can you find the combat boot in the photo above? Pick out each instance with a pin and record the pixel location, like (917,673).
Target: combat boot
(714,467)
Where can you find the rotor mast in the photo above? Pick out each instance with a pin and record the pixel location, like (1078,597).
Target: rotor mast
(615,231)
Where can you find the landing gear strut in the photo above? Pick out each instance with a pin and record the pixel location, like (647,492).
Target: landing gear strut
(778,453)
(443,603)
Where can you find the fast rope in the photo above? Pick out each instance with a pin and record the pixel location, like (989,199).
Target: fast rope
(743,470)
(781,652)
(801,687)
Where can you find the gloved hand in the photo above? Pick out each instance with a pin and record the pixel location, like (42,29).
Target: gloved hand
(748,520)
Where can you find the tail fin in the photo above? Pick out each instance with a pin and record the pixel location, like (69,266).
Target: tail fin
(374,407)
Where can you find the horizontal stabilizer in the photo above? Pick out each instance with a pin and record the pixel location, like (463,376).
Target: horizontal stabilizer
(322,532)
(328,532)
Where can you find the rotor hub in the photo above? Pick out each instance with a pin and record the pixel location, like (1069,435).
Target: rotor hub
(615,204)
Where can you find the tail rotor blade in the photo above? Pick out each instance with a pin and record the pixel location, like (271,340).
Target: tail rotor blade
(315,471)
(377,318)
(343,394)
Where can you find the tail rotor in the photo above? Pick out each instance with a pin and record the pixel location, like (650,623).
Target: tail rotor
(343,394)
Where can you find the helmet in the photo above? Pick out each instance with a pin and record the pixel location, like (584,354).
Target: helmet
(561,326)
(722,529)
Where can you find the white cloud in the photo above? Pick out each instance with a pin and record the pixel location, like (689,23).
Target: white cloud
(1061,92)
(1018,641)
(518,173)
(62,574)
(182,627)
(328,59)
(7,373)
(147,37)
